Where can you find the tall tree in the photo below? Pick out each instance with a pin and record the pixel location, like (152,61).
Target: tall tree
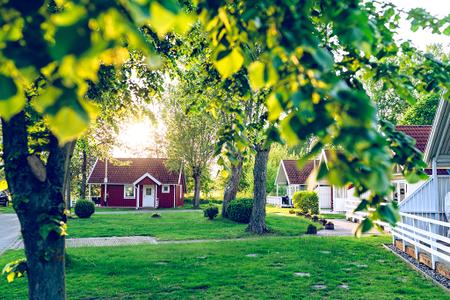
(190,143)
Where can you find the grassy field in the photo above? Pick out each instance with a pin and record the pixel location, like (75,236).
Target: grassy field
(178,226)
(333,268)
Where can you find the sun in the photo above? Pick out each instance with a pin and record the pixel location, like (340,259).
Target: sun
(134,138)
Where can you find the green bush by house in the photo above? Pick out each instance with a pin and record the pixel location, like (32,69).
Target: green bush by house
(84,209)
(307,201)
(240,210)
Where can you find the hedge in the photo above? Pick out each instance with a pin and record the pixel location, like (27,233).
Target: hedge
(306,201)
(240,210)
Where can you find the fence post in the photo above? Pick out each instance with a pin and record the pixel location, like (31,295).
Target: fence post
(433,247)
(416,249)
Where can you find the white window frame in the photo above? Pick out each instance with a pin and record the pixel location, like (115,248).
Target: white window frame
(165,186)
(125,191)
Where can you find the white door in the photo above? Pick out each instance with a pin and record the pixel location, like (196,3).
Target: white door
(149,196)
(324,193)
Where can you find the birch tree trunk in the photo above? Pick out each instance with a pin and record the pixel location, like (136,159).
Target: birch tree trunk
(196,174)
(37,193)
(83,175)
(258,218)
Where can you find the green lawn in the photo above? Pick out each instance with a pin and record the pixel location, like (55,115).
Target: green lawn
(332,216)
(178,226)
(338,268)
(7,210)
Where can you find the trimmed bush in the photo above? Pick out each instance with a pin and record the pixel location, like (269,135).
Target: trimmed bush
(306,201)
(156,215)
(84,209)
(211,211)
(315,218)
(311,229)
(240,210)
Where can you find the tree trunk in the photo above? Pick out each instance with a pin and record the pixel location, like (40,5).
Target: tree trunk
(68,149)
(197,175)
(37,194)
(83,175)
(232,186)
(68,199)
(258,218)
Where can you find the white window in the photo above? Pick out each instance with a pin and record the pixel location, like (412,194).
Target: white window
(128,191)
(166,188)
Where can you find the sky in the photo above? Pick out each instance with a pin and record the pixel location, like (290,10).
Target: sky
(140,135)
(421,38)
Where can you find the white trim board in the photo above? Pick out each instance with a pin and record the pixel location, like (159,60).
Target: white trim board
(92,171)
(145,176)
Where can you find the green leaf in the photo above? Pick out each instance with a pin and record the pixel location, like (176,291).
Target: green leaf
(70,15)
(229,64)
(256,75)
(67,124)
(164,20)
(389,214)
(8,87)
(364,226)
(362,205)
(46,99)
(274,107)
(12,100)
(323,171)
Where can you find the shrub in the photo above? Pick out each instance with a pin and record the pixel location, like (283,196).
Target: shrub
(84,209)
(240,210)
(311,229)
(307,201)
(291,211)
(315,218)
(156,215)
(211,211)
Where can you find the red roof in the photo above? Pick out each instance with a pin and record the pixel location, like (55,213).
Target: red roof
(420,133)
(294,175)
(133,170)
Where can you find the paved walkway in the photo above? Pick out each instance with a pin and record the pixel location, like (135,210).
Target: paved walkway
(343,228)
(9,231)
(145,211)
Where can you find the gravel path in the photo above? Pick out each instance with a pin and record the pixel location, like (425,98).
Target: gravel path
(104,241)
(146,211)
(9,231)
(342,228)
(436,277)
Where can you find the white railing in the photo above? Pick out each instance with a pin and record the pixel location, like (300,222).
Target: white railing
(273,200)
(431,238)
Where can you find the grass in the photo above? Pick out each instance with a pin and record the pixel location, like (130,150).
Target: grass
(7,210)
(178,226)
(332,216)
(346,268)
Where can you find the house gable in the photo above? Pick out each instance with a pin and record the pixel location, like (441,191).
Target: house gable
(147,179)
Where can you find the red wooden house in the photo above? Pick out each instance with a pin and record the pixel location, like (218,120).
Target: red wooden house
(138,182)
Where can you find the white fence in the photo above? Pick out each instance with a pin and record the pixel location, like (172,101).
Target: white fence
(274,200)
(432,240)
